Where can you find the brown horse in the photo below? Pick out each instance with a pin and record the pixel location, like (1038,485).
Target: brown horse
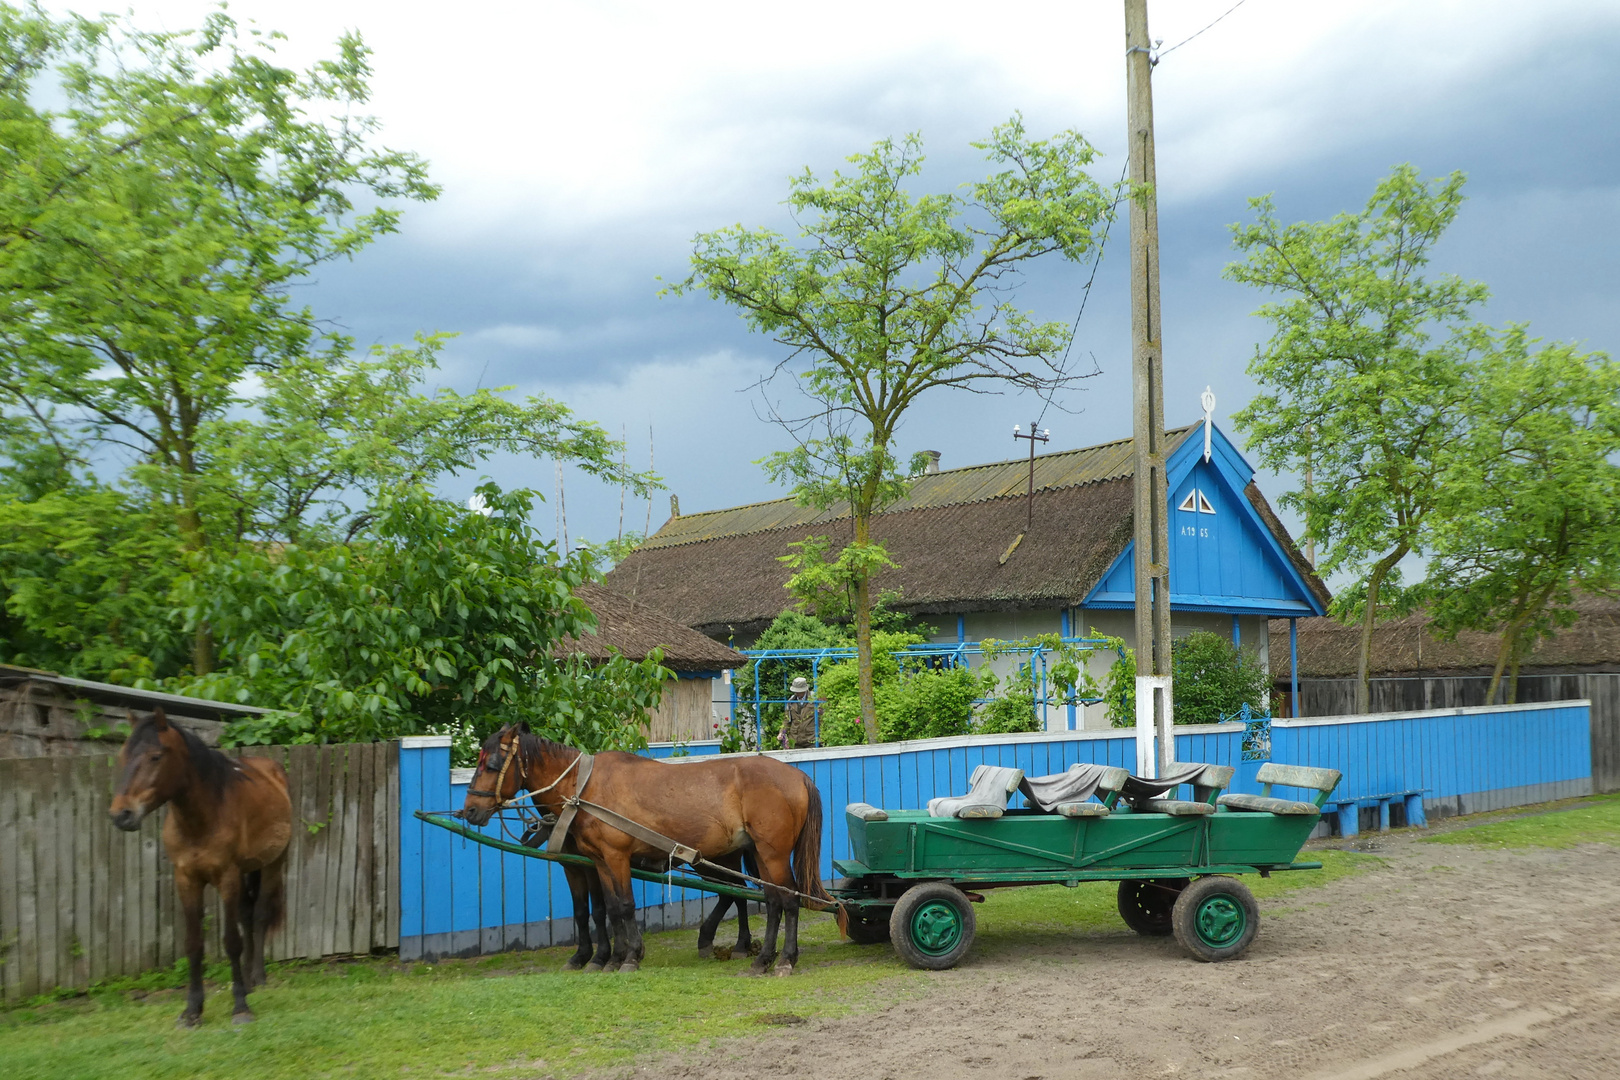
(228,826)
(730,805)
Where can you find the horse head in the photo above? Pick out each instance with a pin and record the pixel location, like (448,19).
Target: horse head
(151,770)
(499,776)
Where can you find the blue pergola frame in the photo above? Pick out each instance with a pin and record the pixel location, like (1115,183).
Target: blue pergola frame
(946,654)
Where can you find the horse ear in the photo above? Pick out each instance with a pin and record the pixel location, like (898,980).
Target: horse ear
(159,720)
(523,726)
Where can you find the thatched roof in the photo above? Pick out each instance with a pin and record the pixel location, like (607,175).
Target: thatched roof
(1403,647)
(635,629)
(719,571)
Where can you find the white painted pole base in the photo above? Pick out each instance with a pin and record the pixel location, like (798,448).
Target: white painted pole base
(1153,743)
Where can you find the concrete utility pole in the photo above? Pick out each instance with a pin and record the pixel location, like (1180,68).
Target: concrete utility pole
(1153,700)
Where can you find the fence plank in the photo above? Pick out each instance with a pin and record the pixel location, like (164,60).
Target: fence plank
(85,812)
(100,785)
(365,758)
(10,937)
(27,886)
(46,846)
(391,850)
(341,891)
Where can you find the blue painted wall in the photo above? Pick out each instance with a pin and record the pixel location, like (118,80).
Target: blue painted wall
(1468,759)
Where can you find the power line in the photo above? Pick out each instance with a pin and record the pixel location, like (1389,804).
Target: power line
(1162,53)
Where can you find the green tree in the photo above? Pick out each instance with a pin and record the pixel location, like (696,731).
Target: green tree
(154,222)
(890,297)
(1530,507)
(1366,375)
(435,616)
(161,197)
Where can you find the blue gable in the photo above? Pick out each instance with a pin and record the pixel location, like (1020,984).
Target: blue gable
(1222,556)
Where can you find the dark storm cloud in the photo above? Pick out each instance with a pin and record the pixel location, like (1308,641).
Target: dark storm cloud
(576,316)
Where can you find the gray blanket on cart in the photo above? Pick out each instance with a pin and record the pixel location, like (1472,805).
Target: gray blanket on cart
(1138,789)
(1076,785)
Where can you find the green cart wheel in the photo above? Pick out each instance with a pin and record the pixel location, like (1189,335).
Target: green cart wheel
(1215,918)
(1146,905)
(932,926)
(864,930)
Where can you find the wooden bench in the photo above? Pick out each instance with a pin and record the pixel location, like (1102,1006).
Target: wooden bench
(1348,809)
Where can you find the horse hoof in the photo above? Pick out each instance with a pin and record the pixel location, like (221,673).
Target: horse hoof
(596,967)
(574,965)
(244,1017)
(752,971)
(720,952)
(783,970)
(629,966)
(187,1021)
(706,953)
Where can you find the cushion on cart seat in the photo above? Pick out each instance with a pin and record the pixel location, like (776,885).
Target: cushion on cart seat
(1266,805)
(1080,809)
(1177,807)
(992,786)
(866,812)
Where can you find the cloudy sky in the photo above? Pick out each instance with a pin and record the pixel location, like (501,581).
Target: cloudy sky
(582,145)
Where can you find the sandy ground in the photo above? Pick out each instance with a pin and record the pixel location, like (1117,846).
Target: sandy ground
(1451,962)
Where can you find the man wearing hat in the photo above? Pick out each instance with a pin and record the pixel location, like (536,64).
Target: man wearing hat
(799,728)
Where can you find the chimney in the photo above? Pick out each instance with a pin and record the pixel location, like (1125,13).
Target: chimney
(674,505)
(933,462)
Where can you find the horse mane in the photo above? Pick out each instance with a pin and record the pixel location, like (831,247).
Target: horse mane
(530,743)
(212,768)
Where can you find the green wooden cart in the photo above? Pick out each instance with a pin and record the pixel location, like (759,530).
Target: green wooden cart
(912,877)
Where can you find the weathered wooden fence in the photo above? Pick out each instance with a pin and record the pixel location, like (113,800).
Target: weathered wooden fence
(81,901)
(1337,697)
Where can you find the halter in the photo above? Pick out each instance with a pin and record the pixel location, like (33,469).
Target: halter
(516,751)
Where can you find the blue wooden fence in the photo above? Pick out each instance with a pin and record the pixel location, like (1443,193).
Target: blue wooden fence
(461,898)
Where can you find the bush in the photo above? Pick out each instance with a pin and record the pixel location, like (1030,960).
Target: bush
(790,630)
(1211,678)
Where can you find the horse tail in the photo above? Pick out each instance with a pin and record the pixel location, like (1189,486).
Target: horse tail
(273,894)
(807,858)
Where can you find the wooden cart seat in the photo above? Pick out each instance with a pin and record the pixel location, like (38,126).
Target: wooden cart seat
(1176,807)
(1264,804)
(866,812)
(992,786)
(1080,809)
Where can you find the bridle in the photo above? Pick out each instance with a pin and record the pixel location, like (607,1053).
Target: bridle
(515,751)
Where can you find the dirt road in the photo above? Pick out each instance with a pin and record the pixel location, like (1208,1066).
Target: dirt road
(1450,962)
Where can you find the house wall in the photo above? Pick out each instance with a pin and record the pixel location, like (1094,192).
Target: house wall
(686,712)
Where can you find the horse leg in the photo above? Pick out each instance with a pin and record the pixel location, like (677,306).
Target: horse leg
(230,892)
(599,911)
(621,909)
(579,889)
(190,889)
(247,906)
(790,936)
(745,940)
(711,924)
(776,869)
(767,952)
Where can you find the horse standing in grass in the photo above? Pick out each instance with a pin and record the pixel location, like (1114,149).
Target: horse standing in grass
(228,826)
(729,805)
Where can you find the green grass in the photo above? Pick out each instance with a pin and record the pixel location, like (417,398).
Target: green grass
(517,1014)
(1594,820)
